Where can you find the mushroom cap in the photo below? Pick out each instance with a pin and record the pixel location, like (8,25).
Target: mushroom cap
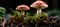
(39,4)
(22,7)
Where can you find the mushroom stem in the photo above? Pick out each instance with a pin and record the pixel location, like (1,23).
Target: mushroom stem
(39,11)
(23,13)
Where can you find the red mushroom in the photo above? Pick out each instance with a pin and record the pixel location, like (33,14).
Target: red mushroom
(39,5)
(22,8)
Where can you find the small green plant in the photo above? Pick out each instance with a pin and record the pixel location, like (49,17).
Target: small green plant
(16,13)
(2,11)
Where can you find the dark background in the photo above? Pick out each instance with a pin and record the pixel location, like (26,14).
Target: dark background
(13,3)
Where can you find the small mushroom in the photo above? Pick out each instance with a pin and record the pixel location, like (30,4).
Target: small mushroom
(22,8)
(39,5)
